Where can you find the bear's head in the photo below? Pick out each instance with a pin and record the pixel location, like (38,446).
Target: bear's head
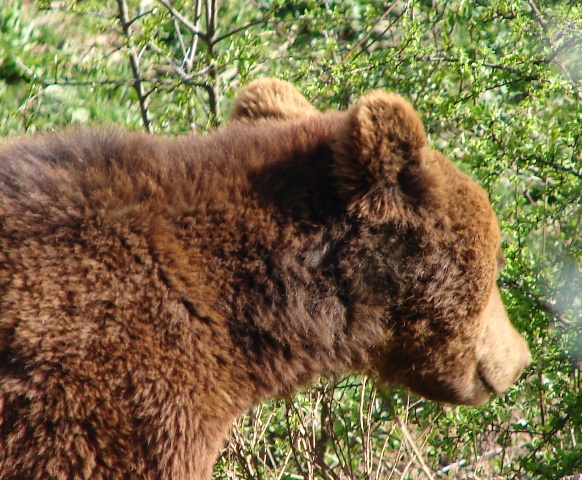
(421,271)
(431,254)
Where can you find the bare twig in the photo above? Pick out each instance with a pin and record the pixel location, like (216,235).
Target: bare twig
(552,58)
(542,304)
(142,96)
(407,436)
(298,463)
(193,49)
(211,85)
(561,167)
(365,38)
(184,21)
(496,66)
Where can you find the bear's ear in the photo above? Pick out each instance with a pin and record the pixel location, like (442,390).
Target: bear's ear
(379,162)
(270,98)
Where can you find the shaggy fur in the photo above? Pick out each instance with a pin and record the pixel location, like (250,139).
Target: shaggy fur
(270,99)
(151,289)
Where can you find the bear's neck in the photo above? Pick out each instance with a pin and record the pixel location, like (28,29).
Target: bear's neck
(258,259)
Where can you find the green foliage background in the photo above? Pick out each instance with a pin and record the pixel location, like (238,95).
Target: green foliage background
(498,84)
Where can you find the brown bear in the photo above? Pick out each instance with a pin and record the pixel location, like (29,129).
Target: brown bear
(152,289)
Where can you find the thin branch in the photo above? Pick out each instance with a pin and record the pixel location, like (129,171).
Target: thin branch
(408,438)
(406,435)
(542,304)
(184,76)
(131,21)
(142,96)
(496,66)
(263,21)
(64,81)
(213,90)
(193,49)
(560,167)
(552,58)
(371,30)
(94,14)
(211,20)
(292,440)
(573,42)
(184,21)
(538,16)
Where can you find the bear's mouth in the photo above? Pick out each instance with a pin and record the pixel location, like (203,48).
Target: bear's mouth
(483,378)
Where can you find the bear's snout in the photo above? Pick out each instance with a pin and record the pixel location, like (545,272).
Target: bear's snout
(502,352)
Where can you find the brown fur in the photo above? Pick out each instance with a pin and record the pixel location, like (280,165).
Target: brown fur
(270,99)
(151,289)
